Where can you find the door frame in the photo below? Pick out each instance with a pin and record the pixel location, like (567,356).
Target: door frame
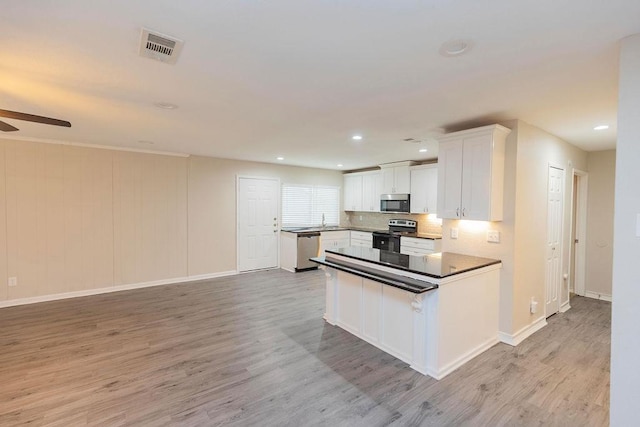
(581,230)
(279,208)
(562,306)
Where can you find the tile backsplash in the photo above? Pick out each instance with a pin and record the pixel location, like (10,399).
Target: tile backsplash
(426,223)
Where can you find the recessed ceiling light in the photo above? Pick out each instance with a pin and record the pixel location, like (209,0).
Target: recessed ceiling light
(356,137)
(339,165)
(455,47)
(601,127)
(166,105)
(279,158)
(423,150)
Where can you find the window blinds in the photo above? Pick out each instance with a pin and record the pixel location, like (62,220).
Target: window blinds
(304,205)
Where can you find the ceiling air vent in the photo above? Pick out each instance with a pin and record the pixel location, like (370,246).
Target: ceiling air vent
(159,46)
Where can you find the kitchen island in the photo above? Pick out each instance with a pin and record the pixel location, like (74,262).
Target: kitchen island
(434,312)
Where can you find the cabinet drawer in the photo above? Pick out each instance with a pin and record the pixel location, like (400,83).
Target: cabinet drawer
(360,235)
(361,243)
(425,244)
(335,235)
(415,252)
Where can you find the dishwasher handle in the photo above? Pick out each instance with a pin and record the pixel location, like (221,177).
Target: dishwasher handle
(309,234)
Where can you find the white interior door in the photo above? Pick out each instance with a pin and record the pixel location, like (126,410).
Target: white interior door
(257,223)
(555,208)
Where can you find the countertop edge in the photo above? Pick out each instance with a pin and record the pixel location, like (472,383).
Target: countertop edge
(422,273)
(394,280)
(364,230)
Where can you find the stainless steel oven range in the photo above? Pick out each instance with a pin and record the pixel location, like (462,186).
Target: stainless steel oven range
(390,240)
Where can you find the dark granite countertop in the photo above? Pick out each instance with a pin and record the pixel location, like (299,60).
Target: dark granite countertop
(313,229)
(438,265)
(367,230)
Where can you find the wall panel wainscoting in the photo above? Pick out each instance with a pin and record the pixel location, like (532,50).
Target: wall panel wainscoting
(253,349)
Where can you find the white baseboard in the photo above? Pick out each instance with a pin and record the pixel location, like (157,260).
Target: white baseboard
(565,307)
(118,288)
(523,333)
(596,295)
(452,366)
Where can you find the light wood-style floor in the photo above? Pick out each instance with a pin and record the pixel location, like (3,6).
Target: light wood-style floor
(253,350)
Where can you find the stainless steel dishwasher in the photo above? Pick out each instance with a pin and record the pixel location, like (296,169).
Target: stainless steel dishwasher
(308,246)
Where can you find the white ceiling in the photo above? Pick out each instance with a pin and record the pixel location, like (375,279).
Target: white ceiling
(295,78)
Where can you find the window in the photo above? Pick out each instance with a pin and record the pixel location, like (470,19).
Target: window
(304,205)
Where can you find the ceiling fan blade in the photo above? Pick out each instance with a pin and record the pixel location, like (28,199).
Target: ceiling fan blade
(33,118)
(6,127)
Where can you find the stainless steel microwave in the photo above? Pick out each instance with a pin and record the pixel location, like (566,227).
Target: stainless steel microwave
(395,203)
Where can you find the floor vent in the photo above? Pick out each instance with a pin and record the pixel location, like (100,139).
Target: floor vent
(159,46)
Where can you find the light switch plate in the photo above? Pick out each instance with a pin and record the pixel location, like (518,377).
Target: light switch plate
(493,236)
(13,281)
(454,233)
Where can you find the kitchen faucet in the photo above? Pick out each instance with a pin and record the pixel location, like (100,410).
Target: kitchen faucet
(323,223)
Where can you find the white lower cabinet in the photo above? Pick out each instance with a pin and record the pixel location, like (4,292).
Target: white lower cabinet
(378,313)
(361,238)
(419,247)
(334,240)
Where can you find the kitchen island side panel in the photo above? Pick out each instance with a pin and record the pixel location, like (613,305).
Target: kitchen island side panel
(466,320)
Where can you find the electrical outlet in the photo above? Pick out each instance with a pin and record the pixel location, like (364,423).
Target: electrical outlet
(493,236)
(533,306)
(454,233)
(13,281)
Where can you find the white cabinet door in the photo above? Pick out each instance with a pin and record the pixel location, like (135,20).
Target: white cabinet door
(396,180)
(450,179)
(388,181)
(476,178)
(403,179)
(352,192)
(371,190)
(471,174)
(424,189)
(334,240)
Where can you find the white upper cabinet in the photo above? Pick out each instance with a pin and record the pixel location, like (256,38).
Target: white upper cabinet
(471,174)
(424,188)
(362,191)
(371,190)
(352,192)
(396,178)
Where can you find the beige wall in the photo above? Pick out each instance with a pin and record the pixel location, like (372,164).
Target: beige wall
(212,205)
(3,225)
(599,242)
(82,218)
(528,153)
(58,217)
(537,150)
(149,217)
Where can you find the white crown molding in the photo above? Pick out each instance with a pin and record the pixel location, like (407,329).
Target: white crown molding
(98,146)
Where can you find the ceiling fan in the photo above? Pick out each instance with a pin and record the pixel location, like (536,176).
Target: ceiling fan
(6,127)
